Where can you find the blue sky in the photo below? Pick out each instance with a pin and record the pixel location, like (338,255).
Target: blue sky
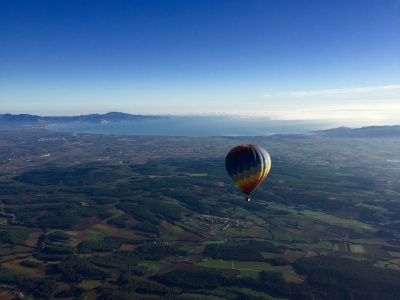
(276,58)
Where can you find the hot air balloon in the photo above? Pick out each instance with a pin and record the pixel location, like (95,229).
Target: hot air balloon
(247,165)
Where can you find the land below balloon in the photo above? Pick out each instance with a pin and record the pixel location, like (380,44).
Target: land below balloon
(119,216)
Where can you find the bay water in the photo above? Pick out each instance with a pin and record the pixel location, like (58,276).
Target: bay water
(197,126)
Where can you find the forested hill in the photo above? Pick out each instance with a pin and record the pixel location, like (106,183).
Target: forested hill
(92,118)
(365,132)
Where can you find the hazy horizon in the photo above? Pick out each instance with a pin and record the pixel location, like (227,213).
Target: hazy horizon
(323,123)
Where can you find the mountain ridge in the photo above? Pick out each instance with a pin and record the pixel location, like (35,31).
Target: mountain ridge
(90,118)
(367,132)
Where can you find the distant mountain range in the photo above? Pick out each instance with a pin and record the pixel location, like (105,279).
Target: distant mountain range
(363,132)
(92,118)
(27,119)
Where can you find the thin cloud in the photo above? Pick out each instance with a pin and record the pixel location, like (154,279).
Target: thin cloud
(266,95)
(368,105)
(392,89)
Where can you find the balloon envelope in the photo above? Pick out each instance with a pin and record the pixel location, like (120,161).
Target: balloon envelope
(248,165)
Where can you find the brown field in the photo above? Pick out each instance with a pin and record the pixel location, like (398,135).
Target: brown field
(8,258)
(395,261)
(41,214)
(33,272)
(80,235)
(270,255)
(190,239)
(340,247)
(255,231)
(376,250)
(292,256)
(168,228)
(5,295)
(33,238)
(116,232)
(393,267)
(298,232)
(231,272)
(335,231)
(132,222)
(317,235)
(63,286)
(90,284)
(15,250)
(195,258)
(87,222)
(255,219)
(91,295)
(292,276)
(127,247)
(310,254)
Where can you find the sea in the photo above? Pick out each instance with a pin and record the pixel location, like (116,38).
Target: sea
(197,126)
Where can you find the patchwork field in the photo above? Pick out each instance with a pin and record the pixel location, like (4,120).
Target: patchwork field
(106,216)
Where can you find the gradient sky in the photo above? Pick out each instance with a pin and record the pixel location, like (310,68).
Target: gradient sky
(283,59)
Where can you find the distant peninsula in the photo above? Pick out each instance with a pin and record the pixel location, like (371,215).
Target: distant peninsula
(363,132)
(91,118)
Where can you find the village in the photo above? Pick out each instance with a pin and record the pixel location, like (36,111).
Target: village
(220,220)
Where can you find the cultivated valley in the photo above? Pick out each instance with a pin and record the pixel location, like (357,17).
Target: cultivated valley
(87,216)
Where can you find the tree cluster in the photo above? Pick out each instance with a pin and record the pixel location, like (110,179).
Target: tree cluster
(121,259)
(14,235)
(147,227)
(158,251)
(54,246)
(350,278)
(61,220)
(271,282)
(152,211)
(77,269)
(107,244)
(244,251)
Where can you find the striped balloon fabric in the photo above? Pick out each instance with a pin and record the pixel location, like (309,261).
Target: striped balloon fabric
(248,165)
